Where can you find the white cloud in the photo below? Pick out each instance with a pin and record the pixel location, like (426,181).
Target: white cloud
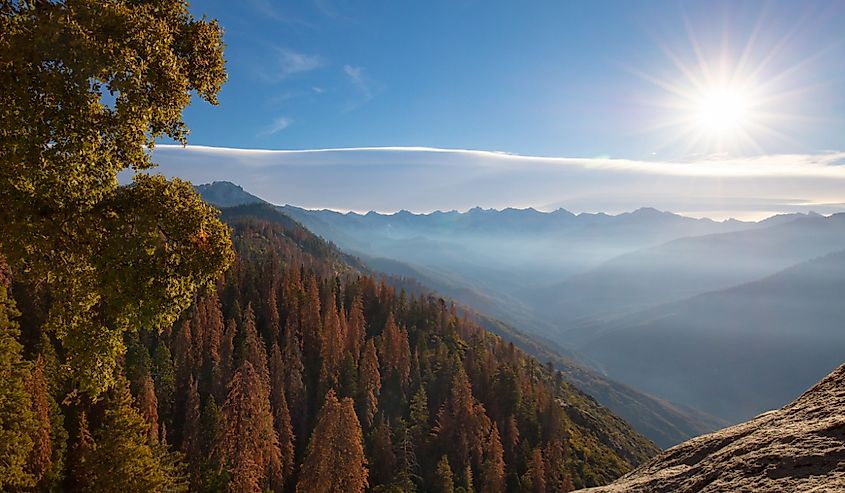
(362,84)
(278,125)
(290,62)
(424,179)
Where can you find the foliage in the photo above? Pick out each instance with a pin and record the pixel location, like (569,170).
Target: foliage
(335,461)
(124,459)
(16,418)
(88,87)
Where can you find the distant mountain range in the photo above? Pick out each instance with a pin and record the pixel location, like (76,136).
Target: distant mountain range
(661,421)
(635,296)
(734,352)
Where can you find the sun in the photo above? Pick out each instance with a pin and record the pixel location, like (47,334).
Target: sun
(718,98)
(722,111)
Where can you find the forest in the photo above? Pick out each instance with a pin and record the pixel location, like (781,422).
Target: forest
(298,372)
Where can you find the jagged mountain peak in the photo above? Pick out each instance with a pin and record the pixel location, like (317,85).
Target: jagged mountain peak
(226,194)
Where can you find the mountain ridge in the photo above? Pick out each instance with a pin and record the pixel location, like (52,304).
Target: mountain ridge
(733,352)
(665,423)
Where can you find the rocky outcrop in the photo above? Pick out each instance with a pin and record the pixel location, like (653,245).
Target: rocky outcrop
(800,448)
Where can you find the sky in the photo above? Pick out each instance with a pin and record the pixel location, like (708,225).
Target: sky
(653,82)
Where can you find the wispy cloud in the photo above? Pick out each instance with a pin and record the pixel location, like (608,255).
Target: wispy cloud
(425,179)
(278,125)
(362,83)
(289,62)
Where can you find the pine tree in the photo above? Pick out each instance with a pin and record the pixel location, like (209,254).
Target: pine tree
(380,451)
(469,485)
(493,475)
(395,353)
(281,413)
(214,476)
(356,326)
(419,415)
(183,356)
(249,446)
(124,459)
(511,439)
(311,325)
(214,342)
(554,457)
(297,397)
(252,348)
(335,460)
(462,424)
(444,479)
(369,384)
(227,360)
(16,418)
(535,476)
(148,406)
(192,436)
(164,376)
(332,345)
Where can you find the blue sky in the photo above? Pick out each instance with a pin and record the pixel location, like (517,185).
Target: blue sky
(719,109)
(541,78)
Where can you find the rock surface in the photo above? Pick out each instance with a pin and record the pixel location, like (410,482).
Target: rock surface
(800,448)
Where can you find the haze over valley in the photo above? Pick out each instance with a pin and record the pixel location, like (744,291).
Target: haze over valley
(731,318)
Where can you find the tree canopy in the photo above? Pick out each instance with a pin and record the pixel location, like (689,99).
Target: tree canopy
(88,87)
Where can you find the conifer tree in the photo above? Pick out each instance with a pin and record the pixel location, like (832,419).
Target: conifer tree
(356,326)
(192,437)
(419,415)
(493,475)
(511,438)
(148,406)
(227,360)
(554,457)
(252,348)
(535,476)
(281,413)
(16,417)
(332,345)
(124,459)
(369,384)
(468,483)
(249,446)
(380,450)
(214,339)
(311,325)
(444,479)
(297,397)
(214,477)
(183,356)
(335,460)
(395,352)
(164,377)
(462,424)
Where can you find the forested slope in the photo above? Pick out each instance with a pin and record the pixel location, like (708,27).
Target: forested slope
(302,372)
